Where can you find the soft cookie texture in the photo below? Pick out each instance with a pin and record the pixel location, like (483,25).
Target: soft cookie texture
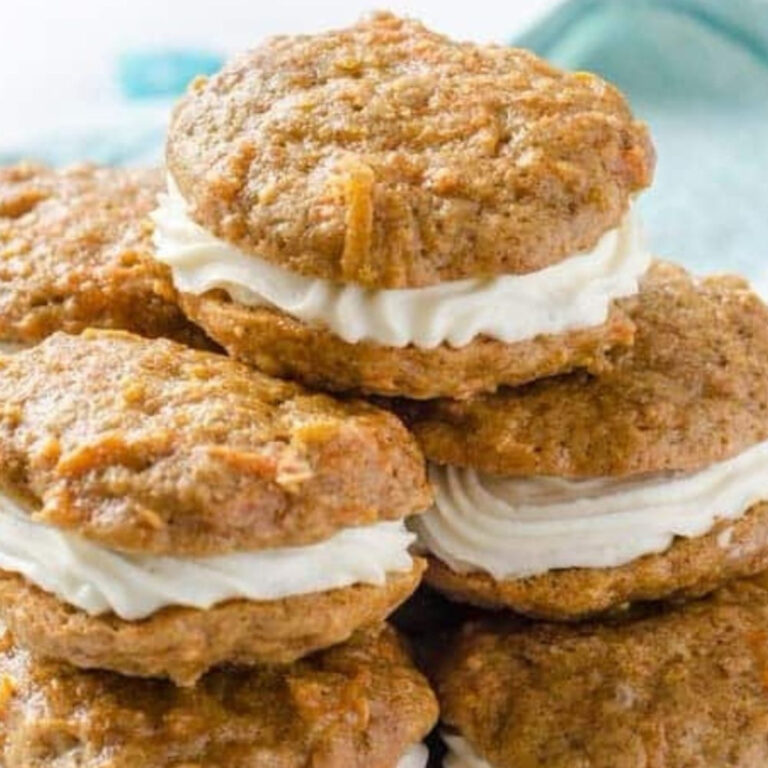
(680,687)
(361,705)
(76,251)
(146,446)
(182,643)
(691,392)
(688,568)
(387,156)
(283,346)
(390,156)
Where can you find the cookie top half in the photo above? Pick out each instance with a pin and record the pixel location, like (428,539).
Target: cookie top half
(390,156)
(358,705)
(680,686)
(76,252)
(148,446)
(693,390)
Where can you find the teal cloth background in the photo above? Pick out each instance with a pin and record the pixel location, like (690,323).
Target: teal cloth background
(696,70)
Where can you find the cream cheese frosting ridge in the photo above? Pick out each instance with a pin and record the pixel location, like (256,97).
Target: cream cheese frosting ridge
(575,293)
(519,527)
(98,580)
(415,757)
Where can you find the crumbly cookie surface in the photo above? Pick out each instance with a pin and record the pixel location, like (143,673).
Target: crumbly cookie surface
(183,643)
(388,155)
(360,705)
(76,252)
(283,346)
(682,687)
(146,445)
(688,568)
(693,390)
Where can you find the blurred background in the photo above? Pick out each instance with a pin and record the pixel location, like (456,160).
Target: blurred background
(94,79)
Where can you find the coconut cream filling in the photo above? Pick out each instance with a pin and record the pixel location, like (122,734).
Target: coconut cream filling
(518,527)
(575,293)
(460,754)
(415,757)
(98,580)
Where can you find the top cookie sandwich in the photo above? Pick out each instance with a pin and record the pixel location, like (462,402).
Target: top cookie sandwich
(76,252)
(578,494)
(164,509)
(383,209)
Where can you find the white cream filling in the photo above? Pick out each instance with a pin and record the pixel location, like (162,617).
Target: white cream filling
(461,755)
(517,527)
(98,580)
(415,757)
(575,293)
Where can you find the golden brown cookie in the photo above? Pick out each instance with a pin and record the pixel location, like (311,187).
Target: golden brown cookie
(689,568)
(185,510)
(681,687)
(182,643)
(388,155)
(283,346)
(357,706)
(150,447)
(697,371)
(321,186)
(669,439)
(76,251)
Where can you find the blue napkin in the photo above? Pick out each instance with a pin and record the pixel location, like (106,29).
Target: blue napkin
(163,73)
(697,72)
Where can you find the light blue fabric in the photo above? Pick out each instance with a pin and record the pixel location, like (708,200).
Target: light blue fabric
(697,71)
(152,74)
(132,141)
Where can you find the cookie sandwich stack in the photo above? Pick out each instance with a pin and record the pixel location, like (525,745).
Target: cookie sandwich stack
(197,558)
(386,211)
(578,496)
(383,210)
(166,510)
